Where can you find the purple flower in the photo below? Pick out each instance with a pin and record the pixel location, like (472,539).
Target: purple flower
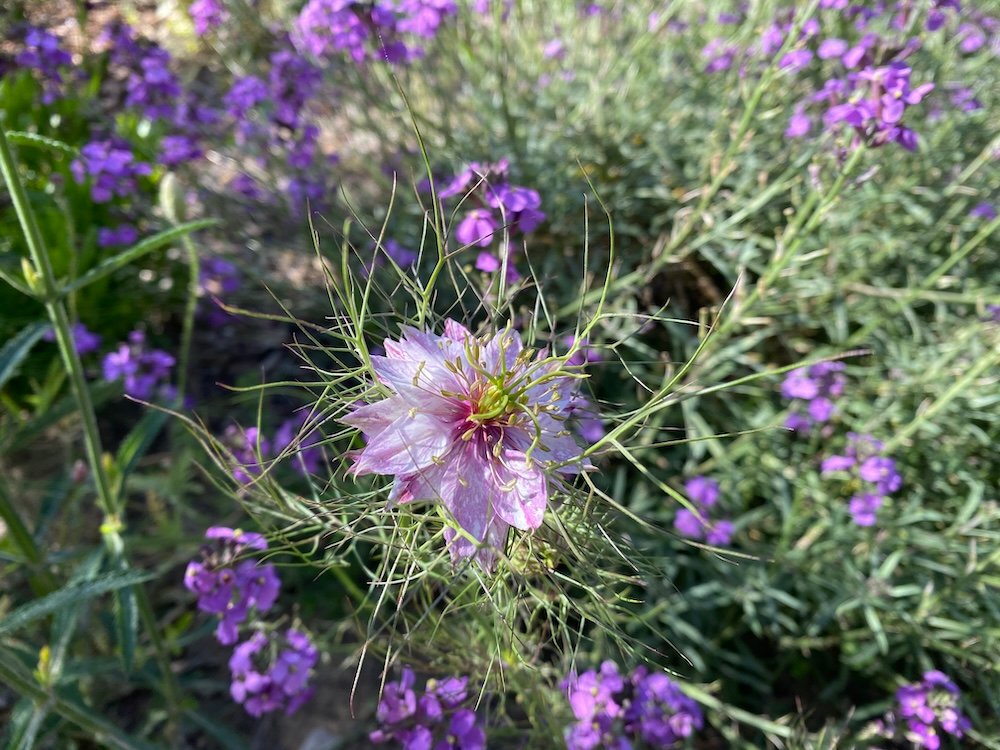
(84,341)
(123,234)
(415,720)
(111,168)
(273,676)
(554,50)
(929,706)
(799,124)
(477,228)
(614,712)
(207,15)
(228,587)
(43,54)
(720,533)
(464,733)
(863,508)
(688,524)
(475,423)
(584,354)
(152,88)
(246,93)
(831,47)
(862,459)
(984,211)
(703,491)
(177,149)
(796,59)
(818,385)
(142,370)
(660,714)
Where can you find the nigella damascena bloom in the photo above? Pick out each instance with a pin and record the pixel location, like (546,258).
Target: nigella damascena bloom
(477,423)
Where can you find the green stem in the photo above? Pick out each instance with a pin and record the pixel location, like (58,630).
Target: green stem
(190,308)
(983,365)
(806,219)
(13,675)
(43,582)
(46,289)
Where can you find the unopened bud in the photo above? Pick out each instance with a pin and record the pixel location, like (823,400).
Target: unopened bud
(172,198)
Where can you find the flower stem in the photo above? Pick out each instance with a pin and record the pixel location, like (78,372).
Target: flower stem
(46,289)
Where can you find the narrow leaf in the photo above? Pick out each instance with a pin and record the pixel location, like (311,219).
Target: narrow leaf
(22,138)
(68,596)
(148,245)
(137,442)
(15,350)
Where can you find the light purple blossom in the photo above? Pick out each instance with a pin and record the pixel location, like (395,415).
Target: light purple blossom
(207,15)
(476,423)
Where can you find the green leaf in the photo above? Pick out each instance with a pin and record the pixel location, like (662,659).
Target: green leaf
(22,138)
(15,350)
(68,596)
(148,245)
(136,443)
(64,625)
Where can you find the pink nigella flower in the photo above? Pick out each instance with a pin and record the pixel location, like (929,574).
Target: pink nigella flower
(475,423)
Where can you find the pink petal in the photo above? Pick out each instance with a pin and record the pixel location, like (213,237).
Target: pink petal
(521,494)
(406,446)
(372,419)
(456,331)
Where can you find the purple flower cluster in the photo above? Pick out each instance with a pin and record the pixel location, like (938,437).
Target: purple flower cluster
(873,102)
(207,15)
(229,587)
(876,474)
(370,30)
(492,203)
(154,91)
(269,673)
(269,117)
(111,167)
(432,720)
(704,493)
(293,439)
(273,674)
(85,341)
(614,711)
(929,707)
(43,54)
(144,371)
(816,386)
